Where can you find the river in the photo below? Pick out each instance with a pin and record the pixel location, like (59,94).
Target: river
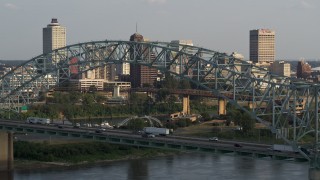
(189,166)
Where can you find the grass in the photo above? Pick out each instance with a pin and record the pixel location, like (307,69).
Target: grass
(206,130)
(201,130)
(81,153)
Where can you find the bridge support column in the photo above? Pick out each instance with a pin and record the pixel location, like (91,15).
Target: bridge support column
(222,109)
(116,91)
(6,152)
(251,105)
(314,174)
(186,104)
(314,170)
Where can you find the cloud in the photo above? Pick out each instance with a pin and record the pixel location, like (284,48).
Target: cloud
(156,1)
(306,4)
(301,4)
(11,6)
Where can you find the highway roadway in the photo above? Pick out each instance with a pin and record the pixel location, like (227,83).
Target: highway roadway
(203,142)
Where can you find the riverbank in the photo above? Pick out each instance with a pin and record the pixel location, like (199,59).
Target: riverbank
(30,155)
(185,166)
(22,165)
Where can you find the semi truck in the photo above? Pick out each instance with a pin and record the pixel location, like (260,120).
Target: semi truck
(156,131)
(36,120)
(283,148)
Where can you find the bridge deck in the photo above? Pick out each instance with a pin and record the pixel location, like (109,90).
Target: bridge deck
(169,142)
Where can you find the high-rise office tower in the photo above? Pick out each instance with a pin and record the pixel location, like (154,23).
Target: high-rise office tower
(101,71)
(106,72)
(123,69)
(177,45)
(262,46)
(54,36)
(141,76)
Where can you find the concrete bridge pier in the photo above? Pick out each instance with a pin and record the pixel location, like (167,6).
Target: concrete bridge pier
(222,108)
(186,104)
(6,153)
(7,175)
(252,105)
(116,91)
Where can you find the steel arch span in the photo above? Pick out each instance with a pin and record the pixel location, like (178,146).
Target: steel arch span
(275,100)
(150,119)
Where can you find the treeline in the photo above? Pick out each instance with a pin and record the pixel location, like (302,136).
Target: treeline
(74,104)
(77,152)
(89,105)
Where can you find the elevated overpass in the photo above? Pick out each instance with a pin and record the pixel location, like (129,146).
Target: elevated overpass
(165,142)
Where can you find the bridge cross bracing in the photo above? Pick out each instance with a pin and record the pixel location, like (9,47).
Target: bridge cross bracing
(275,100)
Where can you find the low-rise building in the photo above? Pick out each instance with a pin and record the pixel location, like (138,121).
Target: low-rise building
(280,68)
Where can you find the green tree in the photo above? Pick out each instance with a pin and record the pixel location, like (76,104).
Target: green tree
(100,98)
(184,84)
(93,89)
(162,95)
(247,123)
(169,82)
(88,99)
(148,105)
(136,124)
(205,116)
(74,97)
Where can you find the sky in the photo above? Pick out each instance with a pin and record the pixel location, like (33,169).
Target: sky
(220,25)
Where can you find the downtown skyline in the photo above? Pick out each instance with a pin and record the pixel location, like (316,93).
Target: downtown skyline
(221,26)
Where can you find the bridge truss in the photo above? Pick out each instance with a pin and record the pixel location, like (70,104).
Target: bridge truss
(275,100)
(152,121)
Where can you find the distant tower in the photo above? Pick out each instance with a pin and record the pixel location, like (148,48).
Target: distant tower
(136,37)
(303,70)
(262,46)
(141,76)
(54,36)
(177,45)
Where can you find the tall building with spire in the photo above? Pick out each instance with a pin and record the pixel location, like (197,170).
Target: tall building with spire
(262,46)
(54,36)
(141,76)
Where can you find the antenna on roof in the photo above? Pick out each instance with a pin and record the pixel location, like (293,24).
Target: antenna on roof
(136,27)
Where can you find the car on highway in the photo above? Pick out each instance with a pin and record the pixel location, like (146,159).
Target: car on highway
(77,125)
(151,136)
(100,130)
(237,145)
(148,135)
(213,139)
(138,132)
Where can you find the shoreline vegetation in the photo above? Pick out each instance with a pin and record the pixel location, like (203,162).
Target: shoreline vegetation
(32,155)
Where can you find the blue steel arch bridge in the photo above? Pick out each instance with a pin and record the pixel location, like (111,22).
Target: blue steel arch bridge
(275,100)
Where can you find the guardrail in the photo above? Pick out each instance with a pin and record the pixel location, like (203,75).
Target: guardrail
(184,144)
